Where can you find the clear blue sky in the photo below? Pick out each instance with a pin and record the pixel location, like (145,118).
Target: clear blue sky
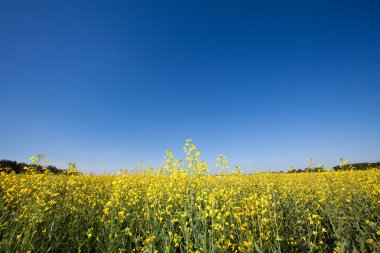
(266,83)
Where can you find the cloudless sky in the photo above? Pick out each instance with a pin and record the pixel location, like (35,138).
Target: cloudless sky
(107,84)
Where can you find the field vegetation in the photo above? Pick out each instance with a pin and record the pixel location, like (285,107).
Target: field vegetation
(182,208)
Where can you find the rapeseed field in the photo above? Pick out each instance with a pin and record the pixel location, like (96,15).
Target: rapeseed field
(187,210)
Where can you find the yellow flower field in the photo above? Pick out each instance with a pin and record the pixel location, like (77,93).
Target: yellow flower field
(182,212)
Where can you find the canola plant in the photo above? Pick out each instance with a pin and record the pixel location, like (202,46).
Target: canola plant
(184,209)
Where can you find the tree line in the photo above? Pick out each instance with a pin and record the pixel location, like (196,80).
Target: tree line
(340,167)
(19,168)
(9,166)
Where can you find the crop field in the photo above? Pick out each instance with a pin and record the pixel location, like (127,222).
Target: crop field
(181,212)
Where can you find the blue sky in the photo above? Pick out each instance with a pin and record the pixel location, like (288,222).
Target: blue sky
(107,84)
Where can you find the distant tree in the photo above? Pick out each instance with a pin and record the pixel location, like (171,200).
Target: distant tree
(291,169)
(357,166)
(9,166)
